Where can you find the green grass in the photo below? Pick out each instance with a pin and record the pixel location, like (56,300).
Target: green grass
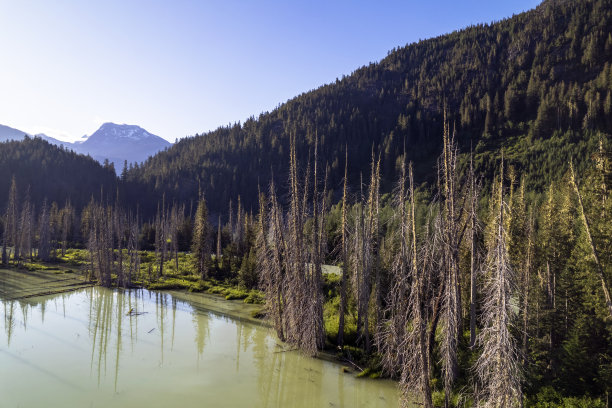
(75,257)
(35,266)
(170,284)
(548,397)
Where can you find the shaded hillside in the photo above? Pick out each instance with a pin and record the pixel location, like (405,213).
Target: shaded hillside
(52,172)
(537,84)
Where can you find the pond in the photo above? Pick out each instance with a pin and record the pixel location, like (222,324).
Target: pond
(96,347)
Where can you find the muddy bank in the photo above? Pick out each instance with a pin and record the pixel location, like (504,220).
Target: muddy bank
(18,284)
(207,302)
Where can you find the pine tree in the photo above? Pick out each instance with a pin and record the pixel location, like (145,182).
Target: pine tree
(200,246)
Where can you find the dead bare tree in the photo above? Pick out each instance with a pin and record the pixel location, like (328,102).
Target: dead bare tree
(218,255)
(451,302)
(161,237)
(344,256)
(25,230)
(132,250)
(11,221)
(526,283)
(290,259)
(67,217)
(363,253)
(44,244)
(404,333)
(498,366)
(474,228)
(175,219)
(121,234)
(100,244)
(271,259)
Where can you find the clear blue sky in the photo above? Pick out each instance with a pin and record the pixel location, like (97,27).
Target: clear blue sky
(178,68)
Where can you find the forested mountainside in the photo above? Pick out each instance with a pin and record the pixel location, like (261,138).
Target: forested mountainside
(537,85)
(43,170)
(485,283)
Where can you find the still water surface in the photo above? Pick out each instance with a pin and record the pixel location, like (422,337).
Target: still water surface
(102,348)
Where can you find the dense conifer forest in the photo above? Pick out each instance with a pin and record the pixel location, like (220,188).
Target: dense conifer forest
(538,84)
(441,217)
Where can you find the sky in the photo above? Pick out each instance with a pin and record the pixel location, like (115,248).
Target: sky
(177,68)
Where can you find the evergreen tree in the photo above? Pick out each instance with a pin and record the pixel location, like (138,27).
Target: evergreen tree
(200,247)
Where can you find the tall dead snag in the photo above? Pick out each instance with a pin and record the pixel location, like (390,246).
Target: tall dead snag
(375,227)
(44,244)
(404,334)
(121,235)
(419,305)
(100,243)
(132,251)
(161,237)
(498,366)
(304,301)
(67,218)
(394,329)
(237,229)
(527,283)
(295,259)
(344,256)
(25,230)
(176,219)
(11,221)
(451,240)
(585,221)
(270,243)
(290,260)
(363,253)
(218,254)
(473,219)
(315,336)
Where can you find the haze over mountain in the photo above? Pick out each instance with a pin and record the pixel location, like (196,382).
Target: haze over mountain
(112,142)
(9,133)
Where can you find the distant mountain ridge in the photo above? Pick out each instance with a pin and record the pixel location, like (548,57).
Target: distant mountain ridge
(9,133)
(113,142)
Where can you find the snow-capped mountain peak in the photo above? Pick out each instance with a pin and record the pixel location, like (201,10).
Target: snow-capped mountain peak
(121,142)
(113,131)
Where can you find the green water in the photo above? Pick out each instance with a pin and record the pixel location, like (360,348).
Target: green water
(85,349)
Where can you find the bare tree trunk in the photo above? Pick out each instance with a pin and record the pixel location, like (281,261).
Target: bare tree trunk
(497,368)
(452,295)
(526,280)
(473,294)
(421,322)
(218,256)
(344,255)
